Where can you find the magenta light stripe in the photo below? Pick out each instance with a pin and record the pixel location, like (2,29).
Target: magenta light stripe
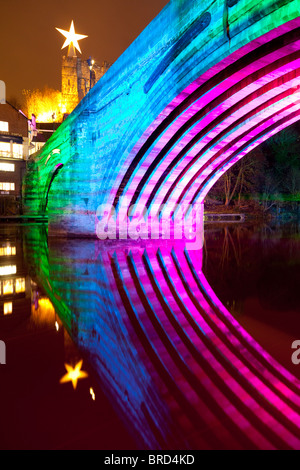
(254,130)
(269,395)
(262,387)
(185,161)
(163,353)
(229,382)
(207,98)
(201,103)
(268,376)
(191,363)
(238,356)
(208,74)
(219,173)
(242,332)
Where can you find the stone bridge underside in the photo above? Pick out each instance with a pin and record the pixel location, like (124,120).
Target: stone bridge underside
(204,84)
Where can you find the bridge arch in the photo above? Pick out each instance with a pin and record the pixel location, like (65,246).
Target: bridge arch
(203,85)
(214,123)
(51,176)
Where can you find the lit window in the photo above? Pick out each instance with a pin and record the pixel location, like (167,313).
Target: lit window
(7,167)
(17,150)
(7,270)
(7,186)
(8,250)
(20,286)
(5,149)
(8,287)
(8,308)
(3,126)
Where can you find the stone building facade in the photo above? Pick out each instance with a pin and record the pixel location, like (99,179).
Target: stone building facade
(78,77)
(14,149)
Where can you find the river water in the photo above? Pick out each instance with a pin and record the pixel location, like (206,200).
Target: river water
(176,349)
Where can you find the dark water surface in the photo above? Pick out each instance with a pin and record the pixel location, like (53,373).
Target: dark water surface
(181,350)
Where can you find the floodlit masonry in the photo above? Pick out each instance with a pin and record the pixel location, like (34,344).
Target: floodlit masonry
(203,85)
(2,353)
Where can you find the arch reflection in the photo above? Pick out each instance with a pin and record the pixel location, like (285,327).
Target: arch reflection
(176,365)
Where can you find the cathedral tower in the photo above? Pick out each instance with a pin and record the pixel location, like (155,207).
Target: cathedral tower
(78,76)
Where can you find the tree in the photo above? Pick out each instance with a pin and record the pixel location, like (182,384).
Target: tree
(239,180)
(268,174)
(45,104)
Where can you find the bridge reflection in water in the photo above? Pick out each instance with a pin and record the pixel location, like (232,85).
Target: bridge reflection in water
(176,365)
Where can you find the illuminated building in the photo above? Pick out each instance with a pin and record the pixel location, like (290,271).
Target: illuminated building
(78,75)
(78,79)
(14,151)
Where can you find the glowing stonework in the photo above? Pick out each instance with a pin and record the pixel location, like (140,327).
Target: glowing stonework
(191,96)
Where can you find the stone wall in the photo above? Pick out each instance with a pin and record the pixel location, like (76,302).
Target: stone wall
(77,80)
(186,80)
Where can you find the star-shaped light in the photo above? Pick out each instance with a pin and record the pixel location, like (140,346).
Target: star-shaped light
(71,38)
(74,374)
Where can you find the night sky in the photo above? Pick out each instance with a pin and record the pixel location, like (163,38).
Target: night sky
(30,46)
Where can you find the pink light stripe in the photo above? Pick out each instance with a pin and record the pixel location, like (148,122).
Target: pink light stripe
(197,148)
(269,395)
(163,353)
(274,113)
(241,350)
(218,110)
(253,132)
(245,335)
(199,104)
(156,381)
(229,381)
(226,167)
(208,74)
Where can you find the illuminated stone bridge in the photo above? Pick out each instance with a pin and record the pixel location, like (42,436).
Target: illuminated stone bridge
(205,83)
